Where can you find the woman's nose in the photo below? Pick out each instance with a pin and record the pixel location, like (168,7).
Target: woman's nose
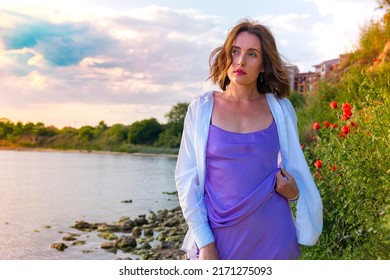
(240,60)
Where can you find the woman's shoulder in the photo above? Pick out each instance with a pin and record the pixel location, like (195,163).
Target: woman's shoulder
(206,96)
(284,103)
(202,99)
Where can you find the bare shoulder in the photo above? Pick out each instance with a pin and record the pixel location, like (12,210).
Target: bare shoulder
(217,95)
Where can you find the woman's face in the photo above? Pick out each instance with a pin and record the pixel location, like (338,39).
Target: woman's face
(247,60)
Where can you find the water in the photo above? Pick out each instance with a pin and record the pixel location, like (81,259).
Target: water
(42,194)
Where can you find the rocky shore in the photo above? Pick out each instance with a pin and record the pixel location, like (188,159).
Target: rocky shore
(157,236)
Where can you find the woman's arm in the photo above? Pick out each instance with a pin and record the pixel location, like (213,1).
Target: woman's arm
(190,191)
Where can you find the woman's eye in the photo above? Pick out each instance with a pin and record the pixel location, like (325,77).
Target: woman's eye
(234,52)
(253,54)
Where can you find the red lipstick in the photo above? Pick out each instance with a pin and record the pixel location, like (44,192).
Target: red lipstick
(239,72)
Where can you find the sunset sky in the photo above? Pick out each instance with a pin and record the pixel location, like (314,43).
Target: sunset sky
(75,63)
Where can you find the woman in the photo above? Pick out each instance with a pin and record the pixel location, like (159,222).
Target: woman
(240,161)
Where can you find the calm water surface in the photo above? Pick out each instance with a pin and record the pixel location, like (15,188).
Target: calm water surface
(42,194)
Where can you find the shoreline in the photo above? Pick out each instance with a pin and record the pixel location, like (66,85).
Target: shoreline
(86,152)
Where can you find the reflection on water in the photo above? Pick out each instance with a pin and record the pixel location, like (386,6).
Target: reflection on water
(42,194)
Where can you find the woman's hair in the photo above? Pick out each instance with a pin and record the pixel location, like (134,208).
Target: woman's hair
(275,76)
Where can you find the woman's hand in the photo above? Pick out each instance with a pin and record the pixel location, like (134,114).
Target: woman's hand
(286,185)
(208,252)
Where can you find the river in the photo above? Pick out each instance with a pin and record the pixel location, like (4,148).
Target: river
(42,194)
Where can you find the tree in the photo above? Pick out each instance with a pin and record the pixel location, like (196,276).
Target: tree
(86,132)
(118,133)
(177,114)
(172,133)
(144,132)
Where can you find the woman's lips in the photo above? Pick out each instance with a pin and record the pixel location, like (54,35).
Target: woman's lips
(239,72)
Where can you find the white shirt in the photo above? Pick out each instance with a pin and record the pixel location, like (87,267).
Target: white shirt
(191,162)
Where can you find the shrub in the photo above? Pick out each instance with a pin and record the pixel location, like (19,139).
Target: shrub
(354,177)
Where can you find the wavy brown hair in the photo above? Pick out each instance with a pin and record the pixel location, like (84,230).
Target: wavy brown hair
(275,76)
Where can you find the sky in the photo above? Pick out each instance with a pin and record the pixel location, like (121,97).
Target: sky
(79,62)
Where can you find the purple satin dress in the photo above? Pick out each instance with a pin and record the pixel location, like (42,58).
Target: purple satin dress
(248,218)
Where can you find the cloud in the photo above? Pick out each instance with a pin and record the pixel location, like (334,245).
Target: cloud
(291,22)
(151,56)
(60,44)
(345,19)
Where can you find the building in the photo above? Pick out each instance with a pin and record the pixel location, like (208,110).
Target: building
(306,82)
(292,72)
(327,67)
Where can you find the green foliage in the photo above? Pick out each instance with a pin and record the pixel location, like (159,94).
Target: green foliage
(373,37)
(354,182)
(118,133)
(148,136)
(86,133)
(297,99)
(171,136)
(355,174)
(144,132)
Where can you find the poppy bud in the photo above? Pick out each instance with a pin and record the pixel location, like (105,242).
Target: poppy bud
(333,104)
(318,164)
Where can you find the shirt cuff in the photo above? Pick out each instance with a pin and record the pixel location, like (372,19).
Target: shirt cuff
(203,235)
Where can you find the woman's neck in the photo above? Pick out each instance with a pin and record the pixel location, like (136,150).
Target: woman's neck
(242,94)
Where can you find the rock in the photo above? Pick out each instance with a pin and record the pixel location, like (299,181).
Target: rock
(78,243)
(162,214)
(174,239)
(87,251)
(58,246)
(161,237)
(109,246)
(137,231)
(69,238)
(103,227)
(164,245)
(126,243)
(170,193)
(108,236)
(171,222)
(84,226)
(148,232)
(126,226)
(146,245)
(144,239)
(141,220)
(152,217)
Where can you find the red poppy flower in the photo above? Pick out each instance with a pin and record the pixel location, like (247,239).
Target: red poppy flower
(346,106)
(353,124)
(345,117)
(342,135)
(375,60)
(326,123)
(333,125)
(333,104)
(346,129)
(302,146)
(318,164)
(316,126)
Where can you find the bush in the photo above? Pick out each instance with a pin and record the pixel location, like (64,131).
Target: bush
(354,177)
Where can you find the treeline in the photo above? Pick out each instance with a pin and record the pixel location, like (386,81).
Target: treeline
(141,136)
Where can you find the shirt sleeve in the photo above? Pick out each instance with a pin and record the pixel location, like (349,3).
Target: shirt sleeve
(190,191)
(309,216)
